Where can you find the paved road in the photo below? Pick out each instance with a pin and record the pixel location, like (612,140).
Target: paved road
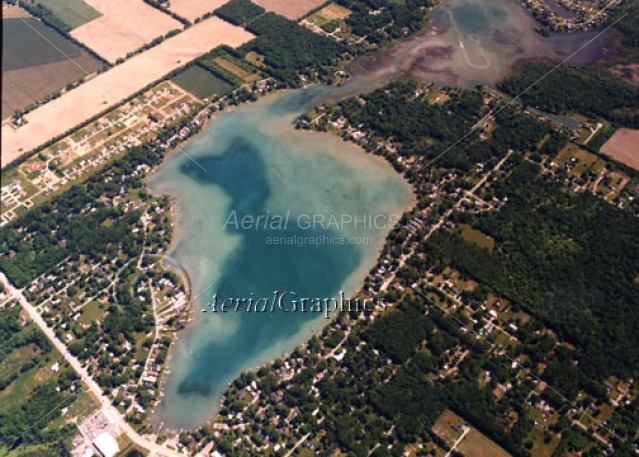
(112,412)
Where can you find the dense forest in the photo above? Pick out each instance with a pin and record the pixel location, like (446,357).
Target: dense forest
(392,20)
(405,394)
(629,26)
(239,12)
(394,113)
(74,223)
(573,261)
(592,92)
(289,48)
(58,231)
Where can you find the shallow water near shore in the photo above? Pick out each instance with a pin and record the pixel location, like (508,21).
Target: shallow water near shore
(470,42)
(257,164)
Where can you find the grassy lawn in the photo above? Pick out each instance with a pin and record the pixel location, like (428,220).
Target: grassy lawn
(126,446)
(34,450)
(581,159)
(540,448)
(14,175)
(91,312)
(330,13)
(474,444)
(74,13)
(20,389)
(201,83)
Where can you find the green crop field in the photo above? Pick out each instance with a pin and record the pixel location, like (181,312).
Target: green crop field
(73,13)
(201,83)
(24,44)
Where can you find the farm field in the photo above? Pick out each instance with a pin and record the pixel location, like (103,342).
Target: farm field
(24,40)
(120,31)
(33,69)
(623,146)
(235,68)
(88,149)
(117,84)
(73,13)
(201,83)
(192,9)
(290,9)
(11,11)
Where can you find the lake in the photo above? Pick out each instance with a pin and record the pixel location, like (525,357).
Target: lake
(257,164)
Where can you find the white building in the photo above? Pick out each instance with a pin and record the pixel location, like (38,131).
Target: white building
(106,445)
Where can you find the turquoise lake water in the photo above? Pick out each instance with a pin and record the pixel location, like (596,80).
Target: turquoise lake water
(257,164)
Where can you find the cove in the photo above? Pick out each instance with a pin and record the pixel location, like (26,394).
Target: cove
(251,163)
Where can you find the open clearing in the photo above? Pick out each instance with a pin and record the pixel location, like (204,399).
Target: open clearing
(332,12)
(623,146)
(73,13)
(290,9)
(125,26)
(192,9)
(475,444)
(33,69)
(451,428)
(476,237)
(117,84)
(580,160)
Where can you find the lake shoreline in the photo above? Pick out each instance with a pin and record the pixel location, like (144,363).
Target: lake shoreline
(351,284)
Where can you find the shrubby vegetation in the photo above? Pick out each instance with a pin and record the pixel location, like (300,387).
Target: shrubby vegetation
(15,337)
(17,419)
